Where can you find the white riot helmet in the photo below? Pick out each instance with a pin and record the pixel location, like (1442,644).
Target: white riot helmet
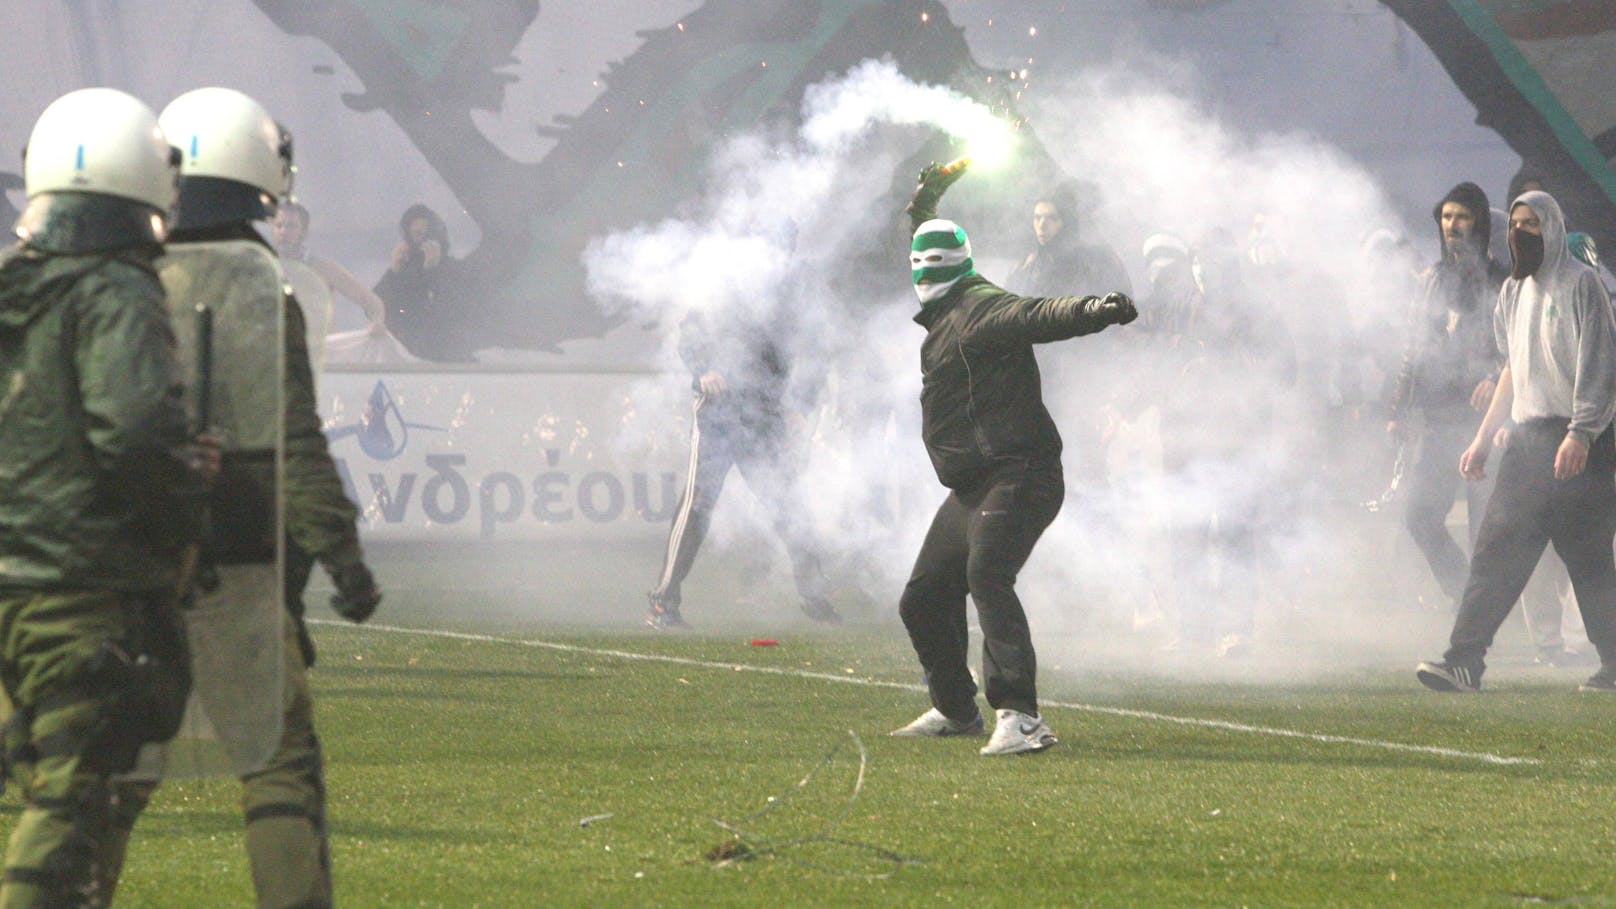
(236,161)
(99,174)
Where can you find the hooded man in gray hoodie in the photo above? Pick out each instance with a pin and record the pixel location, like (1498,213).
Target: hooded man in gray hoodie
(1557,479)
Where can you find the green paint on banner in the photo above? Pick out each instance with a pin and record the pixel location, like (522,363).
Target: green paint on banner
(423,33)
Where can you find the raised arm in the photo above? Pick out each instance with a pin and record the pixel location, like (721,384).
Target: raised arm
(935,179)
(343,281)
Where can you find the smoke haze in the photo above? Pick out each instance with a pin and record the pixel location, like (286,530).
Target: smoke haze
(1142,550)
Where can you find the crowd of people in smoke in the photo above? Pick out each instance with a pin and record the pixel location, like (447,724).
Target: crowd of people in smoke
(1209,421)
(1202,445)
(1207,435)
(1230,416)
(1264,414)
(1211,436)
(1252,404)
(1200,393)
(1166,444)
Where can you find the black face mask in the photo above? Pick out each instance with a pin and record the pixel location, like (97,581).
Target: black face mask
(1525,253)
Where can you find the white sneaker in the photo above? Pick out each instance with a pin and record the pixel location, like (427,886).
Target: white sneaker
(1018,732)
(935,723)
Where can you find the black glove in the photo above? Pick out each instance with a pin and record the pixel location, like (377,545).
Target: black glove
(935,179)
(357,594)
(1114,308)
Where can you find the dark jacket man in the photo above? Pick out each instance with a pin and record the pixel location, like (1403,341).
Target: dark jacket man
(747,390)
(1450,363)
(996,448)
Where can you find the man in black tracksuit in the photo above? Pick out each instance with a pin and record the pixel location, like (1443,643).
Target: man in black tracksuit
(746,397)
(994,445)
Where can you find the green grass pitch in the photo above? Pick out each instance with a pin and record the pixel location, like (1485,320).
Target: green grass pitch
(462,771)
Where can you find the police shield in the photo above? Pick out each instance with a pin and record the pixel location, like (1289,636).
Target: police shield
(227,299)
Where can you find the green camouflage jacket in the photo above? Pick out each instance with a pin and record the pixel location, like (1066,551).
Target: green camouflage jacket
(96,486)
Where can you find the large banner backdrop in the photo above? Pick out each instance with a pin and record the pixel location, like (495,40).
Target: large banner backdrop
(537,127)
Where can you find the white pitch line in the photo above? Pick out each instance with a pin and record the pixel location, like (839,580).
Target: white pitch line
(1225,725)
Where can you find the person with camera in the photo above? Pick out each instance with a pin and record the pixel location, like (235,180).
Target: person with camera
(423,289)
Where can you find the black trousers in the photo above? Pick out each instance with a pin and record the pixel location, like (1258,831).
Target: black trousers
(755,441)
(1530,509)
(977,544)
(1433,481)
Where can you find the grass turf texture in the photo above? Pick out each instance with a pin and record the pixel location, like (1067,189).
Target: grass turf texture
(460,770)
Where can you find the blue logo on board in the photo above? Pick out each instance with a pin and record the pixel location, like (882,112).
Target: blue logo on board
(382,431)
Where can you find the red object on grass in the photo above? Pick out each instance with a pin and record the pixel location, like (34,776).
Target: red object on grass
(765,642)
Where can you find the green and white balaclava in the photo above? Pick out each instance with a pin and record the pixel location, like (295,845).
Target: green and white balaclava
(939,256)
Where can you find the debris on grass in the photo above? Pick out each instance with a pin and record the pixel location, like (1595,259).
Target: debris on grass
(730,851)
(749,843)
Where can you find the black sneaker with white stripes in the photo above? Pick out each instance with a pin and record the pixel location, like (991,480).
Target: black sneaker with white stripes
(1446,676)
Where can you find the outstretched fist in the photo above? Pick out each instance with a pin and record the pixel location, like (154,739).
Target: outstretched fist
(1115,308)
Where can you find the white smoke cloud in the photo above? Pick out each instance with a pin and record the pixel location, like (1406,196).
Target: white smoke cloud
(773,238)
(820,178)
(1105,582)
(841,111)
(1297,211)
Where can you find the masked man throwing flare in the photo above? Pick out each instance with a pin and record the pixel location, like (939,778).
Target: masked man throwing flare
(995,447)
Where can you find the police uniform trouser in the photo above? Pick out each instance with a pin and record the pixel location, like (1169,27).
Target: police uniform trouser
(52,648)
(1528,510)
(285,803)
(977,544)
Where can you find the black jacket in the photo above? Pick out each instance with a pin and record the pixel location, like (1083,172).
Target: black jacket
(1449,346)
(426,307)
(981,401)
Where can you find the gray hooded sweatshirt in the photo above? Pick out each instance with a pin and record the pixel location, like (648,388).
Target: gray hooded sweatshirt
(1556,328)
